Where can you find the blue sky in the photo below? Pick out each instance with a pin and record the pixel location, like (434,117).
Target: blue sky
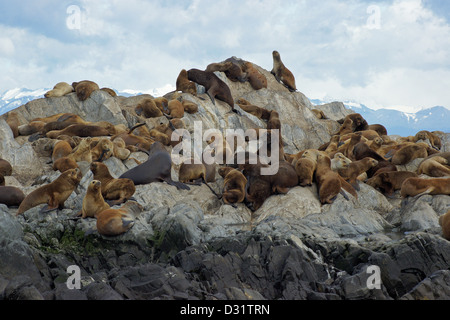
(392,54)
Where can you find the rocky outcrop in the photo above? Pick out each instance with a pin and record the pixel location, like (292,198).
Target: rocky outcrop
(190,245)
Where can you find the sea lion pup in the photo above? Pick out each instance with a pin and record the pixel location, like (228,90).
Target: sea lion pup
(157,168)
(417,187)
(84,89)
(355,169)
(444,222)
(233,185)
(376,144)
(191,172)
(215,88)
(176,109)
(184,85)
(119,150)
(110,91)
(435,141)
(54,193)
(333,145)
(114,222)
(148,108)
(60,89)
(434,167)
(79,130)
(256,79)
(380,129)
(305,169)
(11,196)
(330,183)
(281,73)
(190,107)
(64,164)
(319,114)
(93,202)
(115,191)
(12,119)
(132,140)
(274,121)
(5,168)
(409,153)
(102,150)
(389,182)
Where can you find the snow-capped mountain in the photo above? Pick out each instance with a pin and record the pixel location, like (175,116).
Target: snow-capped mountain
(402,123)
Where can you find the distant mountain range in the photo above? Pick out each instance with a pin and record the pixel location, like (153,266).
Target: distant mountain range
(396,122)
(402,123)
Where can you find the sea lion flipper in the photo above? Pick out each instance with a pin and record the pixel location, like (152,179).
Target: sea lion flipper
(47,209)
(211,97)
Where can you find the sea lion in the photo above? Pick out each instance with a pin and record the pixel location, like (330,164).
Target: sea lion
(434,167)
(54,193)
(102,150)
(157,168)
(215,88)
(110,91)
(61,149)
(11,196)
(192,172)
(281,73)
(339,161)
(409,153)
(233,186)
(258,186)
(190,107)
(389,182)
(176,109)
(82,152)
(93,202)
(444,222)
(60,89)
(80,130)
(355,169)
(2,180)
(285,179)
(84,89)
(5,168)
(346,127)
(159,136)
(31,127)
(333,145)
(359,123)
(12,119)
(329,183)
(380,129)
(113,222)
(184,85)
(347,149)
(64,164)
(256,79)
(319,114)
(258,112)
(435,141)
(305,169)
(274,121)
(232,70)
(148,108)
(416,187)
(114,190)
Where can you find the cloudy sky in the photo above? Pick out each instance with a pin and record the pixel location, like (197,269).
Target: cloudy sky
(392,54)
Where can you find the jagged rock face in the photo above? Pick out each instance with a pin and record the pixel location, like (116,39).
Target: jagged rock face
(190,245)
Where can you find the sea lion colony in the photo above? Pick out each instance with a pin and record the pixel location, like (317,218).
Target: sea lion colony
(357,153)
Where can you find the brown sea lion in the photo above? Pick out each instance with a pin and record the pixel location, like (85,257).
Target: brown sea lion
(110,91)
(256,79)
(148,108)
(84,89)
(359,123)
(102,150)
(61,149)
(5,168)
(93,202)
(11,196)
(355,169)
(258,112)
(157,168)
(444,222)
(191,172)
(82,152)
(258,186)
(281,73)
(434,167)
(380,129)
(232,70)
(12,119)
(389,182)
(60,89)
(413,187)
(64,164)
(79,130)
(434,139)
(184,85)
(114,190)
(114,222)
(319,114)
(274,121)
(409,153)
(215,88)
(176,109)
(190,107)
(233,186)
(54,193)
